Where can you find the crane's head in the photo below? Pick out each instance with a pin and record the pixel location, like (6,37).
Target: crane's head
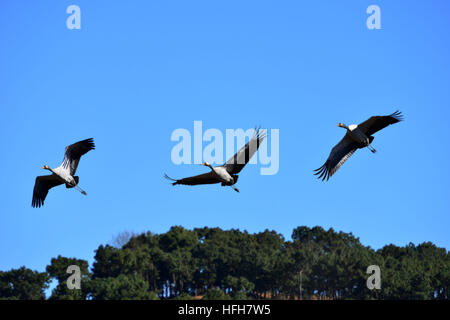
(342,125)
(206,164)
(45,167)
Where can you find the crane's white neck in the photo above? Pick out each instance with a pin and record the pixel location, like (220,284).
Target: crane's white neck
(48,168)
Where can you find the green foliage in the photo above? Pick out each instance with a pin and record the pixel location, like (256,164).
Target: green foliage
(58,270)
(241,287)
(216,294)
(412,272)
(240,295)
(183,296)
(23,284)
(230,264)
(121,287)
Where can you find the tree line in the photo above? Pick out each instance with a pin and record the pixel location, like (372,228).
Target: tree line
(212,263)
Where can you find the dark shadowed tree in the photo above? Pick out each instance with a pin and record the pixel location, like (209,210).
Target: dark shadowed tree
(58,271)
(23,284)
(122,287)
(224,264)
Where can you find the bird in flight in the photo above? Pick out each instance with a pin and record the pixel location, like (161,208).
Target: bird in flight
(358,136)
(64,174)
(226,174)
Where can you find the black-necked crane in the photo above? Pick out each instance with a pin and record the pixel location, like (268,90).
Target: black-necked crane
(226,174)
(64,174)
(358,136)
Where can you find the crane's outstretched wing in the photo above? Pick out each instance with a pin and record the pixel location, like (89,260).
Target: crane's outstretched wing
(74,152)
(236,163)
(376,123)
(338,155)
(41,187)
(206,178)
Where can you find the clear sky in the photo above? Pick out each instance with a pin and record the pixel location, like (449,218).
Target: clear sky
(138,70)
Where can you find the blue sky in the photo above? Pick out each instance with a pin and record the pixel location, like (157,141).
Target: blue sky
(138,70)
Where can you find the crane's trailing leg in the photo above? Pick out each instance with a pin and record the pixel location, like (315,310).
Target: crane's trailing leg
(81,190)
(372,149)
(235,189)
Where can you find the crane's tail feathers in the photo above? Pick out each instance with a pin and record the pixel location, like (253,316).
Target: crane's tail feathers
(171,179)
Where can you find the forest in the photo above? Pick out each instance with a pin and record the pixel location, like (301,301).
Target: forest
(211,263)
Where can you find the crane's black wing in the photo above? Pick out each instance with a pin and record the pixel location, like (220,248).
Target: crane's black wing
(206,178)
(236,163)
(74,152)
(376,123)
(338,155)
(41,187)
